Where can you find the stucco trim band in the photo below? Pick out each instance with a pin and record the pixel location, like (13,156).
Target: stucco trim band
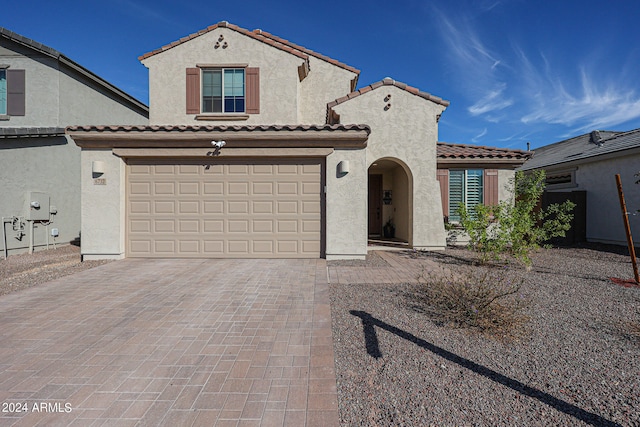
(233,152)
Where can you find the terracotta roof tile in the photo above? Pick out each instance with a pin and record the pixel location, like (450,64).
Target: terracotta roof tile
(225,24)
(216,128)
(447,151)
(305,50)
(389,82)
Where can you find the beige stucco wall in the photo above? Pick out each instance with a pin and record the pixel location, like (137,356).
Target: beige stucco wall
(103,207)
(346,206)
(325,83)
(505,184)
(278,78)
(406,131)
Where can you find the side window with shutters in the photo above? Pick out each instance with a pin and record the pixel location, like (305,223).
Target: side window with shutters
(12,92)
(466,187)
(223,90)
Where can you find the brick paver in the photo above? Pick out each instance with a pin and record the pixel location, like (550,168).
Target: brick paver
(400,268)
(171,342)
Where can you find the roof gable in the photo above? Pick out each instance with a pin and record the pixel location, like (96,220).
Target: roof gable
(258,35)
(389,82)
(302,49)
(333,117)
(52,53)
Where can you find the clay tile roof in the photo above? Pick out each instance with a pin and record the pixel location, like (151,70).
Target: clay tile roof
(216,128)
(447,151)
(389,82)
(297,47)
(225,24)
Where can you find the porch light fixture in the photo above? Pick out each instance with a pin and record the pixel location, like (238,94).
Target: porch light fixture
(386,198)
(97,167)
(343,167)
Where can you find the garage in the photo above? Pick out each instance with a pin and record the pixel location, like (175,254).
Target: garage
(224,208)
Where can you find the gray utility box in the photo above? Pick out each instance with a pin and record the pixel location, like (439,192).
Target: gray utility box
(37,206)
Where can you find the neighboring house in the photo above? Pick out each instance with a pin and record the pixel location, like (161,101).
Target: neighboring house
(258,147)
(587,165)
(41,92)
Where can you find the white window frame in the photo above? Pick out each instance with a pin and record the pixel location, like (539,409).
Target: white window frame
(453,217)
(222,89)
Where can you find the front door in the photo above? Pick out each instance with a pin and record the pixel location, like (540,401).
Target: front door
(375,205)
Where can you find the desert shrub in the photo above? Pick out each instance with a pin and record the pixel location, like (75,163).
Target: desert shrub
(480,299)
(516,228)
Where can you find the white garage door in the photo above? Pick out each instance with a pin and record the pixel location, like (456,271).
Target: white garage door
(224,209)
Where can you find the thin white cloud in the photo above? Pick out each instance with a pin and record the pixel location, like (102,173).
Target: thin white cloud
(582,108)
(480,135)
(493,100)
(478,67)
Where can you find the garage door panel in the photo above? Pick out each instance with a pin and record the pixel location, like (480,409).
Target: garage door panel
(189,207)
(189,189)
(216,207)
(213,189)
(213,226)
(164,226)
(164,246)
(250,209)
(263,188)
(189,226)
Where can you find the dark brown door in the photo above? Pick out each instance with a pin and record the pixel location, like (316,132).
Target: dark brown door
(375,205)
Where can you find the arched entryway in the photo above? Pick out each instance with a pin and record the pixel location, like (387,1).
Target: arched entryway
(390,201)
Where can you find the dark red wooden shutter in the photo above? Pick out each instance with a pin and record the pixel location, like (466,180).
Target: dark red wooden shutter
(253,90)
(193,91)
(16,91)
(490,187)
(443,179)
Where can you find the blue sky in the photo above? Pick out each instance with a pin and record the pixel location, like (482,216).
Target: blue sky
(513,70)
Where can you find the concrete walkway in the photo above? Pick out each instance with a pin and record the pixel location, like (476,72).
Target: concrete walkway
(171,342)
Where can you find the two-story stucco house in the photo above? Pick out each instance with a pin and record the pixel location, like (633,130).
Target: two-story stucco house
(41,92)
(258,147)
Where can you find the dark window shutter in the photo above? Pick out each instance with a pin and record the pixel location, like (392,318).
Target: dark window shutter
(253,90)
(193,91)
(443,179)
(490,187)
(16,91)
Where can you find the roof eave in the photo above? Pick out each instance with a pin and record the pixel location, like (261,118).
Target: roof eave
(188,138)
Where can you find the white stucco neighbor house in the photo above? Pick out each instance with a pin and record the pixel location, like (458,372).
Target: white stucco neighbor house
(258,147)
(589,163)
(41,92)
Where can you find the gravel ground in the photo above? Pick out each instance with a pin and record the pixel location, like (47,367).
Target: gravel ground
(26,270)
(578,364)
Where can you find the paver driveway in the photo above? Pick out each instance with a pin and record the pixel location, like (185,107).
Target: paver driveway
(171,342)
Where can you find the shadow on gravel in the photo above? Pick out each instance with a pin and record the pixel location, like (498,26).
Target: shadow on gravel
(371,341)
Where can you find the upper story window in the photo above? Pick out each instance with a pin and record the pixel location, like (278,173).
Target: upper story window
(12,92)
(223,90)
(3,92)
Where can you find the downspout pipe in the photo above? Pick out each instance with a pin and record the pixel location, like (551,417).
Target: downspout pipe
(4,236)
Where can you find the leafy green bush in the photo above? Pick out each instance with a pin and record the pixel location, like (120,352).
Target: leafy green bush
(516,228)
